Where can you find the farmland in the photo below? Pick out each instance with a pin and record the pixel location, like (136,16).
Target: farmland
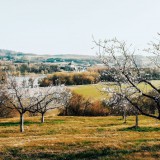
(80,138)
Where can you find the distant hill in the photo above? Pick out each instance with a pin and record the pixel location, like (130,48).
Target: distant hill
(4,52)
(20,57)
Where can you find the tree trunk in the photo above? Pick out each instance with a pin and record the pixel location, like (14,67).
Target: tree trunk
(42,118)
(66,111)
(22,122)
(124,116)
(158,112)
(136,125)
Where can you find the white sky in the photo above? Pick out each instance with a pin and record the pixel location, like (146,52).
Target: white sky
(67,26)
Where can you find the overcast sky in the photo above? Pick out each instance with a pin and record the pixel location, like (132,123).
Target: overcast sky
(67,26)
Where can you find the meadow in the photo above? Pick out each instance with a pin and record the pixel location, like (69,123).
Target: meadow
(95,91)
(90,91)
(87,138)
(73,138)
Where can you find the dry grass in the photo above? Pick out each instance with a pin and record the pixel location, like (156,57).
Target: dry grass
(80,138)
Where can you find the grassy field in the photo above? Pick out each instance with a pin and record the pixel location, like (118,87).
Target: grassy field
(95,91)
(90,91)
(73,138)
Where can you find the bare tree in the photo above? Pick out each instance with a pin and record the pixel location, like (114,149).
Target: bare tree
(65,100)
(126,75)
(120,104)
(31,82)
(154,51)
(52,98)
(19,98)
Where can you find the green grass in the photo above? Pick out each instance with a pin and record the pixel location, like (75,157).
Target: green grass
(90,91)
(73,138)
(94,91)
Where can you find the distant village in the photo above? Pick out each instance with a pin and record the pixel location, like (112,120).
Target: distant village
(39,66)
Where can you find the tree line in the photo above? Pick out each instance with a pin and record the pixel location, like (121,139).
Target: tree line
(26,68)
(70,78)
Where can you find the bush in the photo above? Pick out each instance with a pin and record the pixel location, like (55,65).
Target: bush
(97,109)
(79,106)
(6,110)
(7,113)
(148,105)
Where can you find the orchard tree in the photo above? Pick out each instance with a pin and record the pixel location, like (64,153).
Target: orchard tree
(120,105)
(65,100)
(126,74)
(53,97)
(21,99)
